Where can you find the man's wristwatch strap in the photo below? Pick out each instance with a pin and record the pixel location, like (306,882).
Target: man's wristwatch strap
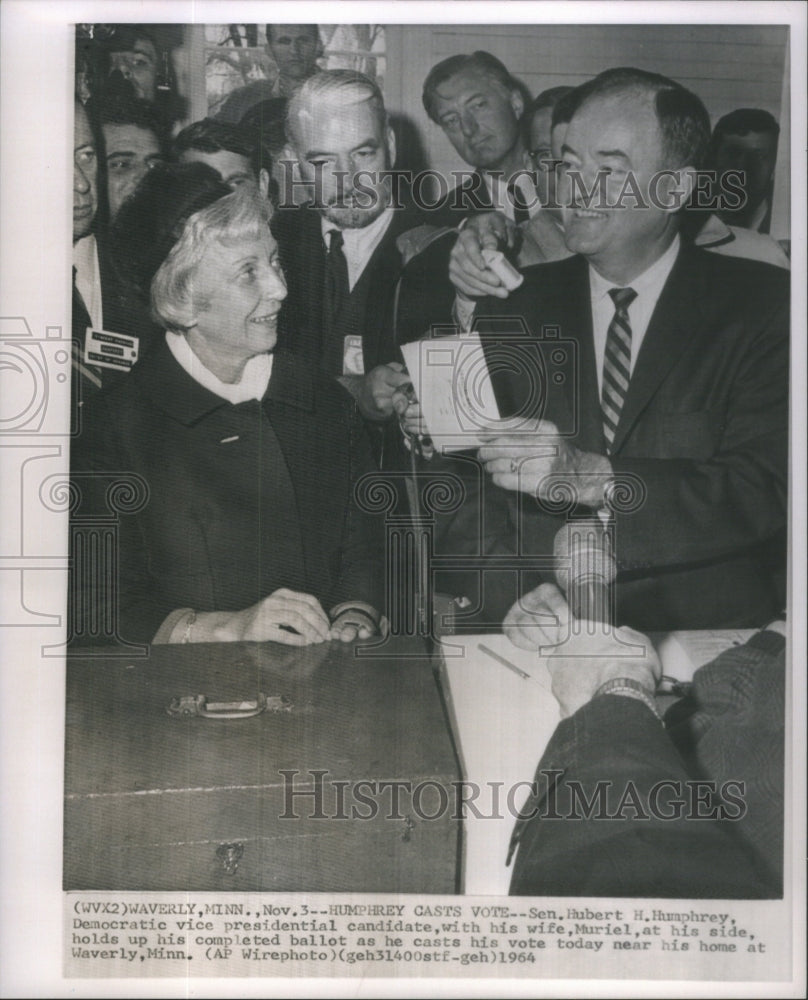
(629,688)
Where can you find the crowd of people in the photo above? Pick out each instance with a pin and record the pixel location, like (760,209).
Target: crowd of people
(240,352)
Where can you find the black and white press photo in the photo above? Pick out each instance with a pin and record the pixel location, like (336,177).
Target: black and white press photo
(404,518)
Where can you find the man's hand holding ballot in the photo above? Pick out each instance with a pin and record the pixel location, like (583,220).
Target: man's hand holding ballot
(378,394)
(533,458)
(469,271)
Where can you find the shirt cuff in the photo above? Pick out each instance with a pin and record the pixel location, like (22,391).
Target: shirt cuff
(360,606)
(463,311)
(173,627)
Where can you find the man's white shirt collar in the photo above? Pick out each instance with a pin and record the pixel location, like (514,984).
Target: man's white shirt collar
(359,245)
(88,278)
(648,287)
(650,283)
(254,378)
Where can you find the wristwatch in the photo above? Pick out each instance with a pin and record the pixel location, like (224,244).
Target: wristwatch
(629,688)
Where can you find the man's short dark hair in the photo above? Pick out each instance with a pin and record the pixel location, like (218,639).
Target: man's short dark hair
(479,62)
(132,111)
(266,121)
(565,108)
(212,136)
(546,99)
(209,135)
(124,36)
(745,120)
(683,119)
(314,29)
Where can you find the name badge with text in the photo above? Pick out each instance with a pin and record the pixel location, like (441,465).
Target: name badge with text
(353,363)
(110,350)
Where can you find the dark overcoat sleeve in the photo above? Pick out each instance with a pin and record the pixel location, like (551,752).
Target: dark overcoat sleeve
(619,812)
(362,552)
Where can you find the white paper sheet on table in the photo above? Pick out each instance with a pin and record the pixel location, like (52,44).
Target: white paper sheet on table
(453,385)
(682,653)
(503,721)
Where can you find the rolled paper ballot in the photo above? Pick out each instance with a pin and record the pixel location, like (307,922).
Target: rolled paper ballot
(586,569)
(502,268)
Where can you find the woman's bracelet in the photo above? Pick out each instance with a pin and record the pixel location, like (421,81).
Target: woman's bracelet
(360,610)
(189,624)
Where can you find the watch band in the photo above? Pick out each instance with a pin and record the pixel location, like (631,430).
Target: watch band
(626,687)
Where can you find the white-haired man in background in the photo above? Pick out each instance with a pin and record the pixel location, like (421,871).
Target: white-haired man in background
(340,250)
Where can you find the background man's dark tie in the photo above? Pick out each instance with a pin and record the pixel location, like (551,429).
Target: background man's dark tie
(520,209)
(337,288)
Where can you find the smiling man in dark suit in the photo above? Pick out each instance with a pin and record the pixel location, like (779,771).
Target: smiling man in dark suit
(681,388)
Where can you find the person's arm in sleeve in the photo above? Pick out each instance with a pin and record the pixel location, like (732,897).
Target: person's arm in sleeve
(692,510)
(441,284)
(123,595)
(100,475)
(357,600)
(616,812)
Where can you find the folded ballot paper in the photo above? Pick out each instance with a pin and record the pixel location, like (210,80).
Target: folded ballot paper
(453,385)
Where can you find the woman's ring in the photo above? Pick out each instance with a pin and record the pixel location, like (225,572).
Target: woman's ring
(514,466)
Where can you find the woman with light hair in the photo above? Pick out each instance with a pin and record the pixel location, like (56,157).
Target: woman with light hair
(251,530)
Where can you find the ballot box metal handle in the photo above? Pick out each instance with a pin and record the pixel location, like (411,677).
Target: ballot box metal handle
(198,706)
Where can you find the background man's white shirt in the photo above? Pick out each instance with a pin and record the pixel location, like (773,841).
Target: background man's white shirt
(88,279)
(359,244)
(497,188)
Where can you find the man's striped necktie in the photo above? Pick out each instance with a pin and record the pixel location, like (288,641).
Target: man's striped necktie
(616,363)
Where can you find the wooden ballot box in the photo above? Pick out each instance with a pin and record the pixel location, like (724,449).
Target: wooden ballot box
(255,766)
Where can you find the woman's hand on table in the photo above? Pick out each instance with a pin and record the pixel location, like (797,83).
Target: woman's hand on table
(272,619)
(286,616)
(356,621)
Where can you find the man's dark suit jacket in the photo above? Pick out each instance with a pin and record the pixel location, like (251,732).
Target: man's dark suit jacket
(123,313)
(303,257)
(468,197)
(242,500)
(728,730)
(703,435)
